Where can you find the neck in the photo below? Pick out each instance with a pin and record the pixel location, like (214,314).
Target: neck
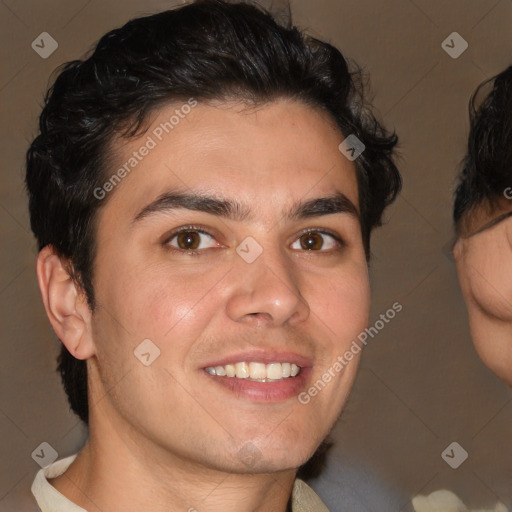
(120,470)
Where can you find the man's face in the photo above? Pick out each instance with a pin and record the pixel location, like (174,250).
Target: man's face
(206,298)
(483,256)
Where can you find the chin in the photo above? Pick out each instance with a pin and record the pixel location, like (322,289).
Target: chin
(505,376)
(267,465)
(275,457)
(500,371)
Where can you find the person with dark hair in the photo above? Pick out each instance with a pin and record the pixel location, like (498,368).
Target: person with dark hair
(483,246)
(202,190)
(482,211)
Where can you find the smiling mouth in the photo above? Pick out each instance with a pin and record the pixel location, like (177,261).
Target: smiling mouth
(256,372)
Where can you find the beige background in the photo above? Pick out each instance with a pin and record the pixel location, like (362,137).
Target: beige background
(421,385)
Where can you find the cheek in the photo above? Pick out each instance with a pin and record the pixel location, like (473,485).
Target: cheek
(485,286)
(153,300)
(342,302)
(340,311)
(491,339)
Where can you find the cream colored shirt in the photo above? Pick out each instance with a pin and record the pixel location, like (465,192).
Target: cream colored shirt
(447,501)
(304,499)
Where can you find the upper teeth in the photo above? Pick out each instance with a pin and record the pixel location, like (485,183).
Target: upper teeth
(257,371)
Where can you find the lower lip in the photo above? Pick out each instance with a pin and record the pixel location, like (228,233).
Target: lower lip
(264,392)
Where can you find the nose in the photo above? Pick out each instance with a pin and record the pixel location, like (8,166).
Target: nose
(457,248)
(267,292)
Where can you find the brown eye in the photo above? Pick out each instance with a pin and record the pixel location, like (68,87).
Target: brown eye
(317,241)
(188,240)
(311,241)
(191,239)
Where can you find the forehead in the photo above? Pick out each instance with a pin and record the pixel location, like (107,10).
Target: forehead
(484,217)
(482,238)
(265,155)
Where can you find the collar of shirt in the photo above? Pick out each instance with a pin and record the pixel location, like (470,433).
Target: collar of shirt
(304,499)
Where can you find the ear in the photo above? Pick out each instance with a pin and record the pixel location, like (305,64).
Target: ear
(65,304)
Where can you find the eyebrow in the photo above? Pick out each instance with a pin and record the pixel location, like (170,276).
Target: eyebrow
(236,211)
(490,224)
